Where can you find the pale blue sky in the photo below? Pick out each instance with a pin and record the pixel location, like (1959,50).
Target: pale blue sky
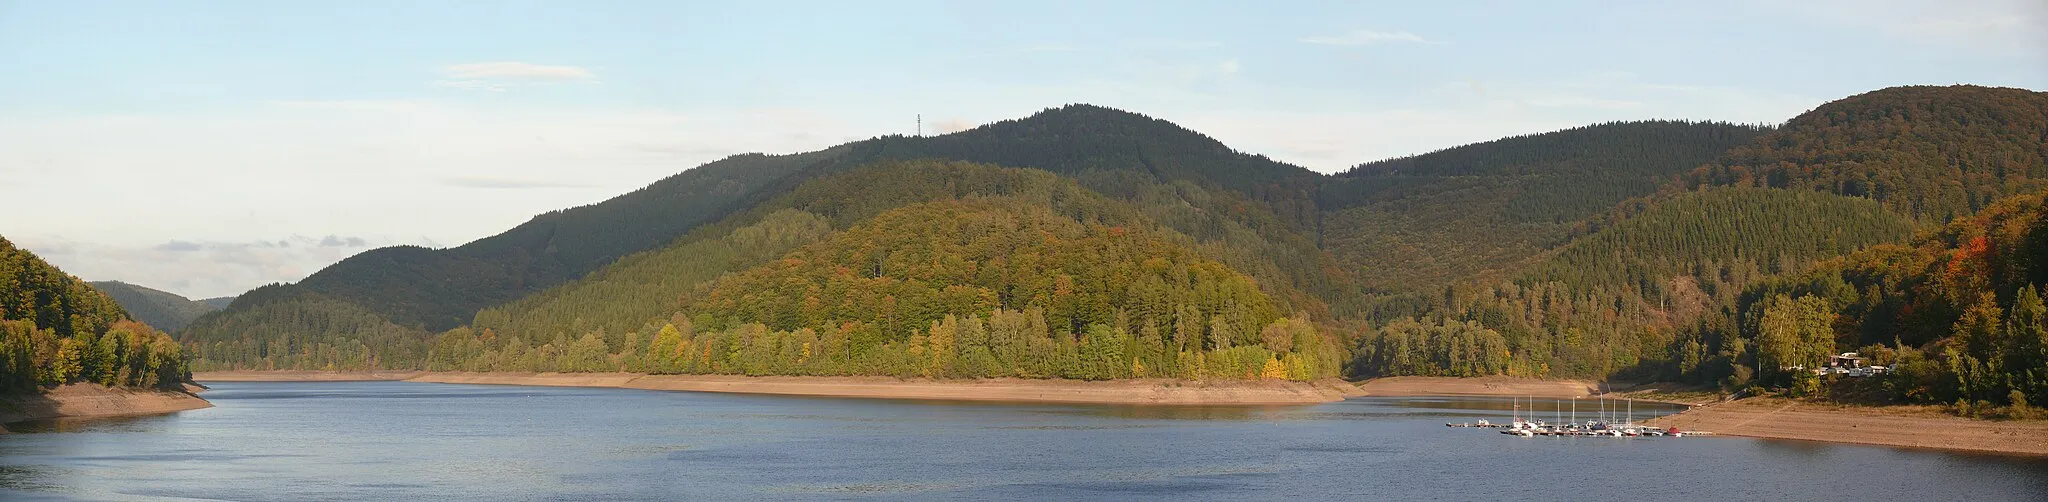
(208,147)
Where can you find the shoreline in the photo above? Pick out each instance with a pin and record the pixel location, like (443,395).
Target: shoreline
(301,376)
(1417,386)
(1895,426)
(95,401)
(1125,392)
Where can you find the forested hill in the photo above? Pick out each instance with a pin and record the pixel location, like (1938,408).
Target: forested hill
(1614,250)
(1076,139)
(56,329)
(441,288)
(1934,153)
(1197,184)
(1731,285)
(1479,211)
(1959,312)
(163,310)
(1040,282)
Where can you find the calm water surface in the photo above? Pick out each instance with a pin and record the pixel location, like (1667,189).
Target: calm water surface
(420,441)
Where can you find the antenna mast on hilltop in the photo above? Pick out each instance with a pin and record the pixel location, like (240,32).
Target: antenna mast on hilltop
(920,125)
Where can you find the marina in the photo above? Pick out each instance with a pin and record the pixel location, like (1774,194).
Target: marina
(1608,424)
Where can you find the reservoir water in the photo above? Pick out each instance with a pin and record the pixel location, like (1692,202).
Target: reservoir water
(420,441)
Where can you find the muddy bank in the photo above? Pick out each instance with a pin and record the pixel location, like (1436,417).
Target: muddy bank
(1478,386)
(301,376)
(1152,392)
(93,400)
(1904,426)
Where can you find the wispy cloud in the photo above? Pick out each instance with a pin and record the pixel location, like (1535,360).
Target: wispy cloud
(506,183)
(470,85)
(1996,25)
(200,268)
(1050,48)
(1368,37)
(514,70)
(501,75)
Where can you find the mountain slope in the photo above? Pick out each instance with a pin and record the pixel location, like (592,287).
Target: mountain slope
(1757,229)
(1230,195)
(646,287)
(1479,211)
(1088,291)
(1664,285)
(1934,153)
(165,311)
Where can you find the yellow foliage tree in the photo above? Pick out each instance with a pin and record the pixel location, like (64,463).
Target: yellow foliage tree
(1273,370)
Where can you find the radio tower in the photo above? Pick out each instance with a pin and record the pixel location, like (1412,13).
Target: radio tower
(920,125)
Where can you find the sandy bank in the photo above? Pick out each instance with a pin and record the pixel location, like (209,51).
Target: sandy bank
(93,400)
(1478,386)
(301,376)
(1889,426)
(1150,392)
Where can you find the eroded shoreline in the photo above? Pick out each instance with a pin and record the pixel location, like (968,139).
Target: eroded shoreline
(95,401)
(1899,426)
(1134,392)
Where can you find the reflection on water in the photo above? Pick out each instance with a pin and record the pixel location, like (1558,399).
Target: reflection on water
(415,441)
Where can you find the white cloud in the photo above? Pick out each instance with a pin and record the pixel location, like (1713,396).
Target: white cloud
(514,70)
(502,75)
(953,125)
(1050,48)
(2019,26)
(1367,37)
(470,85)
(389,172)
(499,182)
(1571,101)
(198,269)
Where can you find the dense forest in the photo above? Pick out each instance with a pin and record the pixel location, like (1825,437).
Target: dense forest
(56,329)
(1478,212)
(974,287)
(1959,311)
(1933,153)
(163,310)
(631,297)
(1672,285)
(1646,298)
(1643,250)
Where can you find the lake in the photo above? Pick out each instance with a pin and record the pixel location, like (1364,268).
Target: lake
(422,441)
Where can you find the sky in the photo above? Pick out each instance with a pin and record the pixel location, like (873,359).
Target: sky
(206,148)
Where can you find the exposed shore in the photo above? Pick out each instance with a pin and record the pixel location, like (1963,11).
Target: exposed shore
(301,376)
(94,401)
(1145,392)
(1902,426)
(1478,386)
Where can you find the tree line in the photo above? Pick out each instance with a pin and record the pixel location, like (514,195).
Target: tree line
(56,330)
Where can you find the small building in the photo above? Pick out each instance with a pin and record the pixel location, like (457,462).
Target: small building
(1846,360)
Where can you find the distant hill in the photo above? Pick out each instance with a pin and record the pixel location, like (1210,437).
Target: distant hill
(1480,211)
(165,311)
(1933,153)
